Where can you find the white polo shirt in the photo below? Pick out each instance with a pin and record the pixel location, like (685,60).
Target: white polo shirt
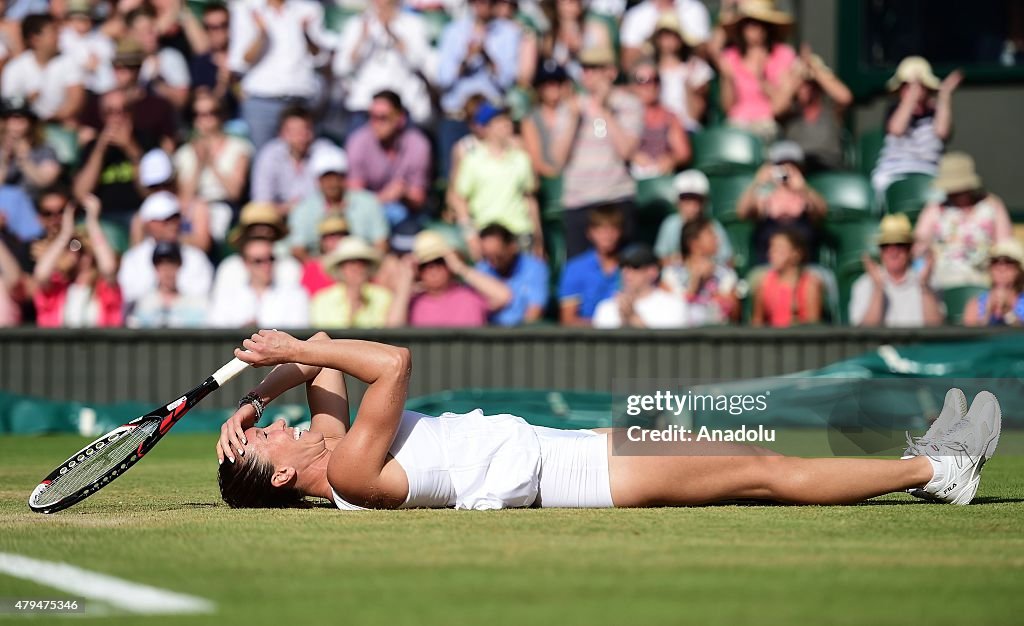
(286,67)
(24,76)
(658,309)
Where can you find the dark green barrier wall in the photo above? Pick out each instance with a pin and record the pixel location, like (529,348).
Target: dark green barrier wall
(107,366)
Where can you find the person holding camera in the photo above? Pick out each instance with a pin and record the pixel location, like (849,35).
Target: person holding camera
(780,198)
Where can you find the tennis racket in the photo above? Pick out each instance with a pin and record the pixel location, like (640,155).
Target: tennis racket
(98,464)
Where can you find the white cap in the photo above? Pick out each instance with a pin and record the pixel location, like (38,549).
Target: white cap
(691,182)
(327,161)
(155,168)
(159,206)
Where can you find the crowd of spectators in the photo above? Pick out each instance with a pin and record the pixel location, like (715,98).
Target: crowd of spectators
(268,163)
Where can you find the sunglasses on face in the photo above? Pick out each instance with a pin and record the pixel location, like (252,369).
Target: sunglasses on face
(380,117)
(49,214)
(206,113)
(262,260)
(434,263)
(340,233)
(215,25)
(1003,260)
(645,80)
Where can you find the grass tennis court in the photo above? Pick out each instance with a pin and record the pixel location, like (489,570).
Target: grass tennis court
(893,560)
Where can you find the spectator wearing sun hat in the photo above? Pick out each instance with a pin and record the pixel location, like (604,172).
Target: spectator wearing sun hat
(333,196)
(353,302)
(258,220)
(641,21)
(442,299)
(963,226)
(918,123)
(893,293)
(759,31)
(691,190)
(160,214)
(332,229)
(610,121)
(1003,303)
(685,76)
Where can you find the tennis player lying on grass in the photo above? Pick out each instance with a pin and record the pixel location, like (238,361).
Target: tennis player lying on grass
(392,458)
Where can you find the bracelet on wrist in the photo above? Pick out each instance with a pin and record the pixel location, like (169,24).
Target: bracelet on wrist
(257,403)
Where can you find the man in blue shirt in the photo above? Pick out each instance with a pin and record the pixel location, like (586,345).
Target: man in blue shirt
(524,274)
(592,276)
(477,54)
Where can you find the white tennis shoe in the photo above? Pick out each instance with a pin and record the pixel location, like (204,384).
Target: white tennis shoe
(954,409)
(958,457)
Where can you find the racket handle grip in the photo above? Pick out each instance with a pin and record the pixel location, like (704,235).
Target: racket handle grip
(229,371)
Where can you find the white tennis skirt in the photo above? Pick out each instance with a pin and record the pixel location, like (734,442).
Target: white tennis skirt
(573,469)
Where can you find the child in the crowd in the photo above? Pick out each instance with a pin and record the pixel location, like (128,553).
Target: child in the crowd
(788,294)
(708,286)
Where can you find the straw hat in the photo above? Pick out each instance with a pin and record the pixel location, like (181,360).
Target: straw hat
(760,11)
(129,53)
(351,249)
(957,174)
(895,229)
(430,246)
(258,213)
(669,21)
(331,225)
(1009,248)
(912,69)
(597,56)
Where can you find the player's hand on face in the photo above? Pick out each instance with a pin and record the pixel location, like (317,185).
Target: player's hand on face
(231,444)
(268,347)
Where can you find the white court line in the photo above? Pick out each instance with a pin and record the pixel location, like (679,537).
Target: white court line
(117,592)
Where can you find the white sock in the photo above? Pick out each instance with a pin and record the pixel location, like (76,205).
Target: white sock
(938,475)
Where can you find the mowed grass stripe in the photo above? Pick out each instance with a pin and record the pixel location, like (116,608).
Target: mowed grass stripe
(162,524)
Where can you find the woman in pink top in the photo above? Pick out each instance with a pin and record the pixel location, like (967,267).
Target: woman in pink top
(755,66)
(76,278)
(788,293)
(441,299)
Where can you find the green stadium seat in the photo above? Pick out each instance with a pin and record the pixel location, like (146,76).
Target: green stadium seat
(725,193)
(554,244)
(435,23)
(117,236)
(909,195)
(335,16)
(655,198)
(869,146)
(956,300)
(848,194)
(851,240)
(64,142)
(740,236)
(725,150)
(846,279)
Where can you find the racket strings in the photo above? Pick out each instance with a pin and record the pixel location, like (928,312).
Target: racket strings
(89,469)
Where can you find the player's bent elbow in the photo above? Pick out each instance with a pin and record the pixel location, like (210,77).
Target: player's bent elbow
(402,361)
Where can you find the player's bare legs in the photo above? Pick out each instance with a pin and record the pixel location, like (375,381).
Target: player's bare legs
(706,472)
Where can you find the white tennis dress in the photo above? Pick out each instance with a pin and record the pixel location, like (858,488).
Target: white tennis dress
(477,461)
